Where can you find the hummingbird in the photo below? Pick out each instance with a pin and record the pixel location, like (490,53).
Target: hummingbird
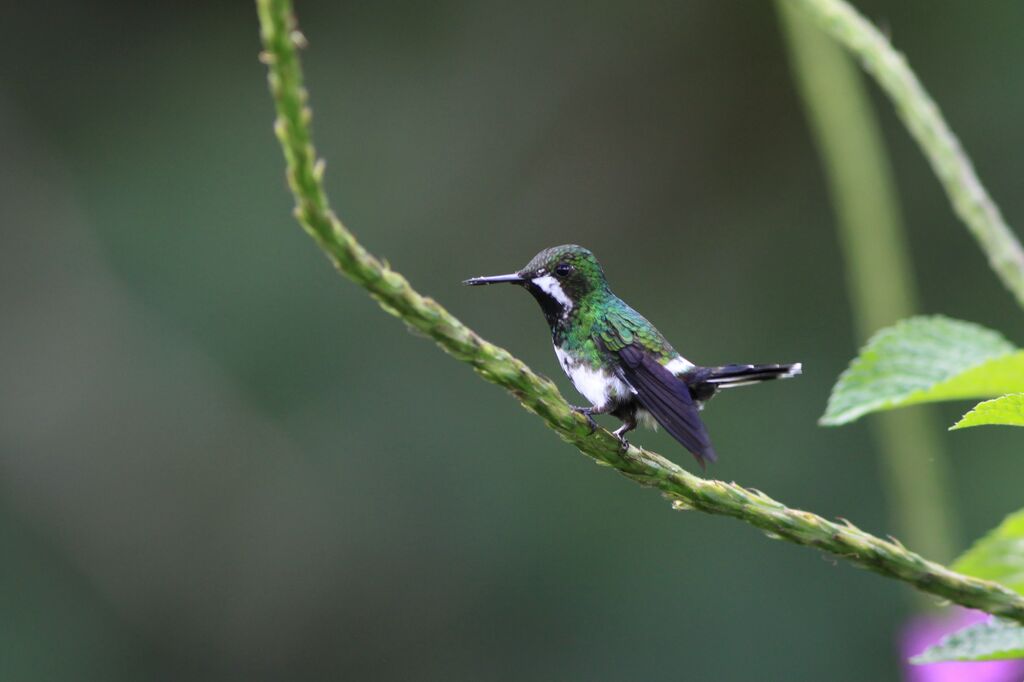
(617,359)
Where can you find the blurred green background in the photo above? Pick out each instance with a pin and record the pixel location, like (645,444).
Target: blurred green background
(219,460)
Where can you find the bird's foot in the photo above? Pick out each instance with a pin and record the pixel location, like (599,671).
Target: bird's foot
(620,433)
(587,412)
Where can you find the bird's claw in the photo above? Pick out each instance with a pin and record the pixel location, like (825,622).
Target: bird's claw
(586,412)
(620,433)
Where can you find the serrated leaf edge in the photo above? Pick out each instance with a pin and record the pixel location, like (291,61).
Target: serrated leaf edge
(851,415)
(985,404)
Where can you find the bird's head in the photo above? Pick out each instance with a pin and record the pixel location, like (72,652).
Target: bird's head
(560,278)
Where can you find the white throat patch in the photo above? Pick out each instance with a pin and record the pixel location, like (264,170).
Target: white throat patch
(550,286)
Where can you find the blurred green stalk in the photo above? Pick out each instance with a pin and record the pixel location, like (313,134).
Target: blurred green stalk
(923,120)
(878,268)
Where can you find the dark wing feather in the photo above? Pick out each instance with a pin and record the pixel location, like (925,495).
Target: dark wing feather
(668,400)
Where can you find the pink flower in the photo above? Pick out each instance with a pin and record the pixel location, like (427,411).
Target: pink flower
(924,630)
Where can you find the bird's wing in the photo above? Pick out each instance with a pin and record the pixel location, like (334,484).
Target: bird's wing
(616,332)
(668,399)
(658,391)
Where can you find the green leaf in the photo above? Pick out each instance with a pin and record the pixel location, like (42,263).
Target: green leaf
(925,359)
(999,555)
(1007,410)
(994,640)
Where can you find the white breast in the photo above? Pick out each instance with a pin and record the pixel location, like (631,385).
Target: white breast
(596,385)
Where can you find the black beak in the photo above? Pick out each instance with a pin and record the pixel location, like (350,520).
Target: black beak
(514,278)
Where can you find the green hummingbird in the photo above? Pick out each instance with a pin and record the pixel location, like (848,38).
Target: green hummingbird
(617,359)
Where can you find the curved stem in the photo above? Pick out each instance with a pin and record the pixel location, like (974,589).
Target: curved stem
(924,121)
(878,268)
(539,395)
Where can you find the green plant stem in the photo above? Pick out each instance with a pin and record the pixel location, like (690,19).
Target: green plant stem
(923,119)
(878,268)
(539,395)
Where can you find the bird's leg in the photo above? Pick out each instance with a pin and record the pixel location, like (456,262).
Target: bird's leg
(620,433)
(589,413)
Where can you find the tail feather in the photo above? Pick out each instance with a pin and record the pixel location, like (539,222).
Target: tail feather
(741,375)
(704,382)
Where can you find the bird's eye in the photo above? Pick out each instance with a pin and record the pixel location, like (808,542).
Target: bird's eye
(563,269)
